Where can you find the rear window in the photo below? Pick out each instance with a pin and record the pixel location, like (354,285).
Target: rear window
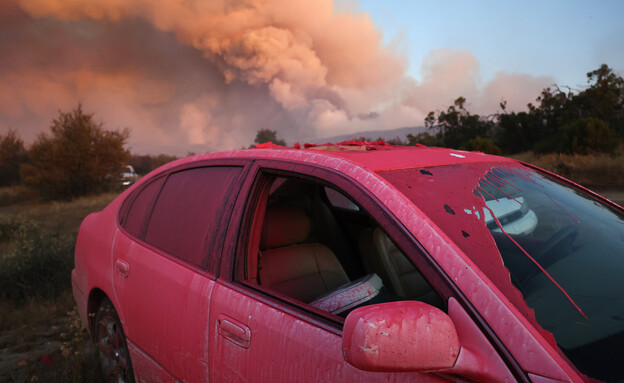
(188,212)
(556,252)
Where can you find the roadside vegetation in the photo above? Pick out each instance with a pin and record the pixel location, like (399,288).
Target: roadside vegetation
(46,190)
(41,336)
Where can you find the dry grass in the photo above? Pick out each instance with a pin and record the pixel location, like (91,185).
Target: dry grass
(598,172)
(69,214)
(13,195)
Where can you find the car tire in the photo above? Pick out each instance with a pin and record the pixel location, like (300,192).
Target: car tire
(111,345)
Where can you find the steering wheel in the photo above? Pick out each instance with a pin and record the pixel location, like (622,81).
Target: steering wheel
(557,246)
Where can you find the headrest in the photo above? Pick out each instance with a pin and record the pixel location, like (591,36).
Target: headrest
(283,226)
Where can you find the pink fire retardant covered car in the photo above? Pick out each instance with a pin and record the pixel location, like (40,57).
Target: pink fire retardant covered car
(354,262)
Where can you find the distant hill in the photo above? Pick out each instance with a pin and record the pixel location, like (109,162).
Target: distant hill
(372,134)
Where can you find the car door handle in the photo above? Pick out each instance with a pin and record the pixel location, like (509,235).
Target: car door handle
(234,331)
(122,267)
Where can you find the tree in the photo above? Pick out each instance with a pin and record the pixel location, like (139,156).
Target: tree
(566,120)
(518,132)
(604,99)
(581,136)
(423,138)
(80,157)
(12,156)
(485,145)
(456,126)
(268,135)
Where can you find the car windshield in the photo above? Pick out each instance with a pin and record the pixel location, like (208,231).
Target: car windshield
(551,248)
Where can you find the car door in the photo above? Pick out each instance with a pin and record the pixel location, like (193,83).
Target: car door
(162,282)
(261,334)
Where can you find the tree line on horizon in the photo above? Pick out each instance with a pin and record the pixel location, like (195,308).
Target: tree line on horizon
(562,120)
(80,157)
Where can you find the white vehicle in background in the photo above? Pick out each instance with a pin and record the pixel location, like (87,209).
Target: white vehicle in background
(129,176)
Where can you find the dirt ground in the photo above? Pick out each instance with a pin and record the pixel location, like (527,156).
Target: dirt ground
(17,357)
(62,352)
(22,353)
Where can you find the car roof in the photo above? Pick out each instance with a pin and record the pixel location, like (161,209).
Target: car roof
(389,157)
(375,156)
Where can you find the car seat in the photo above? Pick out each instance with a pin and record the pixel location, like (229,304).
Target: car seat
(303,271)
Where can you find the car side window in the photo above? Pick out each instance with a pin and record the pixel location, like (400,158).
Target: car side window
(337,199)
(187,214)
(305,250)
(135,219)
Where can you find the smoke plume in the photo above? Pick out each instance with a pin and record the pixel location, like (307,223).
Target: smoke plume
(206,75)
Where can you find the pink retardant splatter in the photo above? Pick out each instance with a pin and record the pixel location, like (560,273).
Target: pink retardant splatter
(45,359)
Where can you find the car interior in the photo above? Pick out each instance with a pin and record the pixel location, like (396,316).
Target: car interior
(321,248)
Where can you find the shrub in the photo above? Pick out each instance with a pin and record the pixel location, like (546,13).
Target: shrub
(37,264)
(39,325)
(268,135)
(424,138)
(582,136)
(80,157)
(12,155)
(480,144)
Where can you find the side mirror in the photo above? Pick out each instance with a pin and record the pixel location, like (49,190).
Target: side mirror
(400,336)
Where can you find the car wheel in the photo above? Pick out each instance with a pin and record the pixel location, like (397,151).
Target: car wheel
(111,344)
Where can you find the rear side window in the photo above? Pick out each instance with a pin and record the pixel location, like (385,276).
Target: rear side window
(141,207)
(188,211)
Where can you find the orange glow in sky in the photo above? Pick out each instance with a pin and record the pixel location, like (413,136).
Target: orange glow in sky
(206,75)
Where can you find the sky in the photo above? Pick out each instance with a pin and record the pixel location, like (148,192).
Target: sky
(563,39)
(200,75)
